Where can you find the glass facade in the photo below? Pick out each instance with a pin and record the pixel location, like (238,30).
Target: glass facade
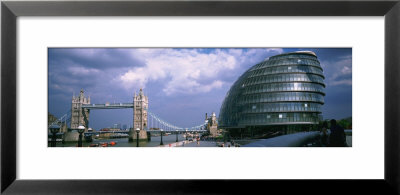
(286,89)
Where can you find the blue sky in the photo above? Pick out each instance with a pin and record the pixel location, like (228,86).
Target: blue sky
(182,84)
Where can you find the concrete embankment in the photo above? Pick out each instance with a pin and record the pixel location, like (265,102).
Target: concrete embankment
(177,144)
(295,140)
(71,136)
(291,140)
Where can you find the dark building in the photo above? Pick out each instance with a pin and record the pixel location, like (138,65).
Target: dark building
(280,95)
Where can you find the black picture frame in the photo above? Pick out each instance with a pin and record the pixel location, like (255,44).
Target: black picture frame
(11,10)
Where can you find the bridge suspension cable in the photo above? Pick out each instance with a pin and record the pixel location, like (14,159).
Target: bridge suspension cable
(156,122)
(64,119)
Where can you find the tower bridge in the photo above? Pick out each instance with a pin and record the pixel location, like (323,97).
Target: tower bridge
(143,120)
(107,106)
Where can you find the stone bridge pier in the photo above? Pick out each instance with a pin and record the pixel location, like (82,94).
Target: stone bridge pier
(143,135)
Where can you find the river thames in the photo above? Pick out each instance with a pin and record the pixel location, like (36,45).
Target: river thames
(154,142)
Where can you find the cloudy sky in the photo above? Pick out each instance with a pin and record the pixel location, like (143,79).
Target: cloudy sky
(182,84)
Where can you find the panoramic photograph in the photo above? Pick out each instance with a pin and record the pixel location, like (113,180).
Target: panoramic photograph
(199,97)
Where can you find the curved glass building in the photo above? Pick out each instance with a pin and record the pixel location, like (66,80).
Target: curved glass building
(284,94)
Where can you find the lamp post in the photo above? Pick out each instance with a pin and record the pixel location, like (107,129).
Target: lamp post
(176,135)
(53,130)
(186,135)
(81,129)
(205,126)
(161,143)
(137,137)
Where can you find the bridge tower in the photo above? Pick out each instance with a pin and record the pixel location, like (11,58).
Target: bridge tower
(140,107)
(79,116)
(212,125)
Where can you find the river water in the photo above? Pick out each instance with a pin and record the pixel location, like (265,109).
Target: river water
(123,142)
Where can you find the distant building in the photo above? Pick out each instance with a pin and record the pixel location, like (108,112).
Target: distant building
(117,126)
(124,127)
(283,94)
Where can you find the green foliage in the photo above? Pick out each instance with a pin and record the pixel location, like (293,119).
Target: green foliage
(51,118)
(346,123)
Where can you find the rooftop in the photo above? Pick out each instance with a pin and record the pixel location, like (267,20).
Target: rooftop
(295,52)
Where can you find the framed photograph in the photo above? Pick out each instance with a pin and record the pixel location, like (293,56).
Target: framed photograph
(237,88)
(279,101)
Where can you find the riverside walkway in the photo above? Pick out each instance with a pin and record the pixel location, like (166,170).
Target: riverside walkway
(295,140)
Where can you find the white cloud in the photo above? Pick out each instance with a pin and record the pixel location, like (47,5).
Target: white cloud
(340,71)
(191,87)
(138,76)
(189,71)
(76,70)
(346,70)
(341,82)
(62,87)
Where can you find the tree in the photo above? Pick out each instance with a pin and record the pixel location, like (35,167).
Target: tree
(51,119)
(346,123)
